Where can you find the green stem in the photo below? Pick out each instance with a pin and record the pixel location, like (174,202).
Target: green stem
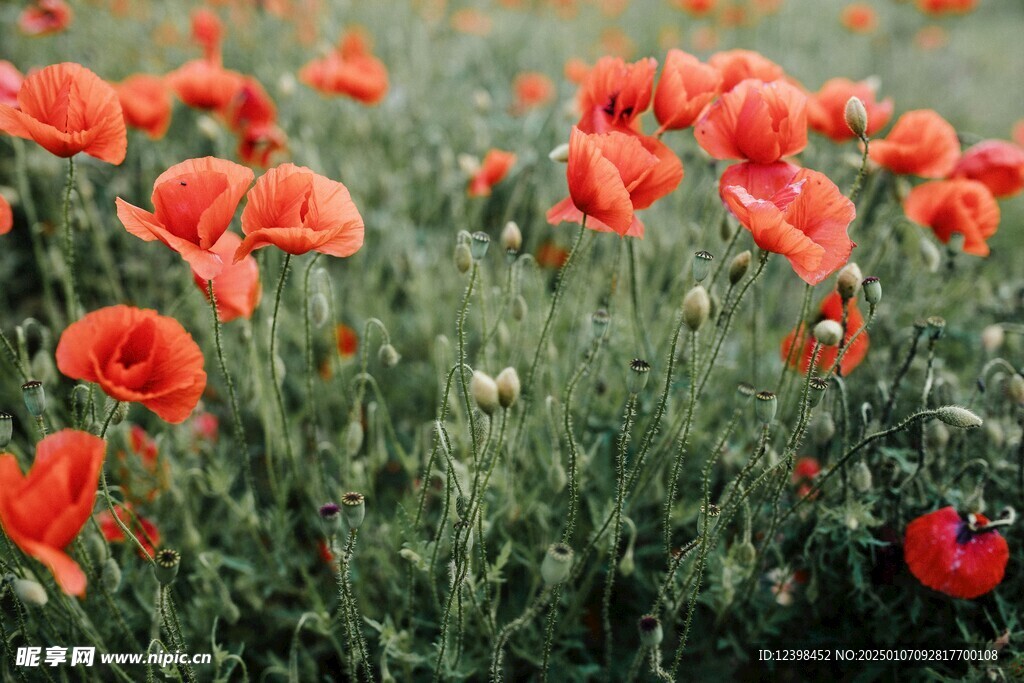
(71,291)
(273,360)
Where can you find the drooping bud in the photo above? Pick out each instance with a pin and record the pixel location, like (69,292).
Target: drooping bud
(110,575)
(702,265)
(650,629)
(823,428)
(354,507)
(739,266)
(1015,389)
(860,477)
(959,417)
(639,371)
(872,290)
(463,257)
(30,592)
(330,518)
(165,565)
(478,244)
(511,238)
(560,154)
(828,332)
(6,429)
(765,406)
(696,308)
(557,563)
(856,115)
(388,356)
(519,308)
(35,397)
(849,281)
(508,387)
(120,412)
(485,392)
(353,437)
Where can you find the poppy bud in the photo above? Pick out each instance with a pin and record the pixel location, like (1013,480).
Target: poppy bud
(856,117)
(485,392)
(739,266)
(992,338)
(823,428)
(818,387)
(639,371)
(388,356)
(353,437)
(6,429)
(702,265)
(560,154)
(746,389)
(511,238)
(519,308)
(849,281)
(478,244)
(872,290)
(410,555)
(165,566)
(651,633)
(120,412)
(110,575)
(330,518)
(828,332)
(319,310)
(556,565)
(30,592)
(463,257)
(696,308)
(860,477)
(627,565)
(35,397)
(1015,389)
(599,323)
(959,417)
(508,387)
(765,406)
(355,508)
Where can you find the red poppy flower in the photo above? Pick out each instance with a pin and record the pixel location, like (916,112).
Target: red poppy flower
(6,216)
(250,105)
(43,511)
(550,255)
(922,143)
(205,427)
(67,109)
(203,84)
(826,109)
(610,176)
(297,210)
(44,17)
(804,472)
(146,482)
(532,90)
(258,144)
(193,204)
(492,171)
(141,528)
(761,122)
(136,355)
(697,8)
(804,218)
(737,66)
(146,104)
(685,89)
(10,83)
(996,164)
(349,70)
(237,287)
(955,554)
(955,206)
(614,94)
(859,17)
(207,32)
(938,7)
(831,309)
(348,340)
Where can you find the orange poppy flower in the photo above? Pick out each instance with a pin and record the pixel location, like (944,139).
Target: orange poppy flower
(250,105)
(146,104)
(922,143)
(492,171)
(136,355)
(937,7)
(685,89)
(297,210)
(804,218)
(67,109)
(610,176)
(6,216)
(237,287)
(349,70)
(257,144)
(614,94)
(998,165)
(193,202)
(141,528)
(697,8)
(831,309)
(576,70)
(207,32)
(737,66)
(757,121)
(826,109)
(44,17)
(931,38)
(348,340)
(859,17)
(532,90)
(955,206)
(202,84)
(43,511)
(10,83)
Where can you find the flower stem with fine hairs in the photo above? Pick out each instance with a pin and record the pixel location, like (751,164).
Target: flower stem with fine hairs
(859,182)
(71,291)
(273,359)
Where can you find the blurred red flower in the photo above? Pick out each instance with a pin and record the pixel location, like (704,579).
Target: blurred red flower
(43,511)
(10,83)
(205,426)
(826,109)
(697,8)
(250,105)
(804,472)
(955,554)
(532,89)
(141,528)
(6,216)
(550,255)
(193,203)
(758,121)
(350,70)
(348,340)
(136,355)
(203,84)
(67,109)
(257,144)
(921,143)
(996,164)
(737,66)
(237,287)
(44,17)
(831,309)
(146,103)
(937,7)
(207,32)
(685,89)
(955,206)
(859,17)
(297,210)
(614,94)
(492,171)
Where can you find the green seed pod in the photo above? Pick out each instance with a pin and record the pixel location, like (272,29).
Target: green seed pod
(651,633)
(599,323)
(872,290)
(702,265)
(639,372)
(111,575)
(478,244)
(557,563)
(936,326)
(35,397)
(818,387)
(354,505)
(165,565)
(330,518)
(6,429)
(765,405)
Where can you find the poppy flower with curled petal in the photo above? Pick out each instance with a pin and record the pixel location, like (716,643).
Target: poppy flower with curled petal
(805,217)
(146,103)
(614,94)
(921,143)
(685,89)
(193,204)
(757,121)
(237,288)
(737,66)
(297,211)
(831,309)
(43,511)
(997,164)
(955,554)
(955,206)
(826,109)
(136,355)
(6,216)
(492,171)
(10,83)
(67,109)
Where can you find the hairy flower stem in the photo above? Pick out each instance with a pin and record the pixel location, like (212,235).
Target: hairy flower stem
(73,302)
(32,216)
(642,341)
(549,631)
(677,462)
(350,608)
(460,330)
(792,356)
(846,347)
(442,415)
(497,655)
(236,413)
(858,183)
(570,438)
(273,368)
(613,546)
(894,388)
(308,329)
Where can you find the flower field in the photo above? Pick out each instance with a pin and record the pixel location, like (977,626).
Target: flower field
(527,340)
